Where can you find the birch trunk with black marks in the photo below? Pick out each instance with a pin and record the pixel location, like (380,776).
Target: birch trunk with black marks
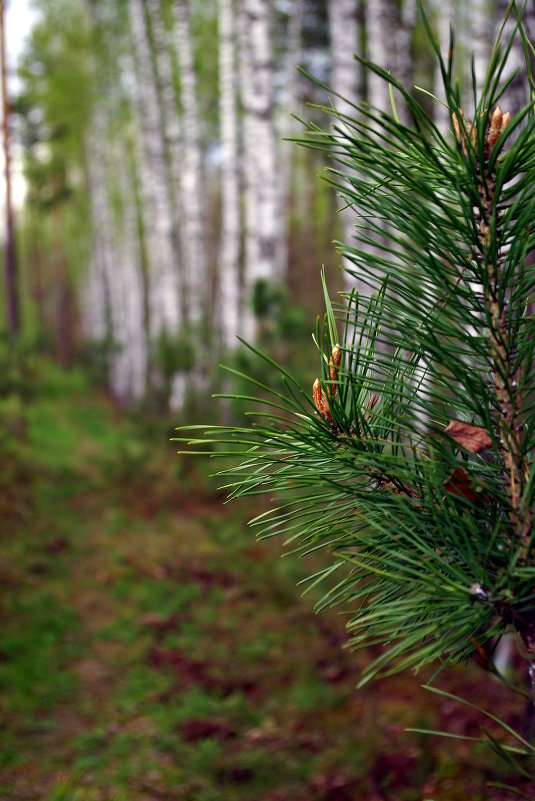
(128,365)
(344,30)
(164,306)
(171,127)
(381,24)
(479,46)
(191,189)
(287,126)
(262,252)
(404,60)
(229,254)
(516,95)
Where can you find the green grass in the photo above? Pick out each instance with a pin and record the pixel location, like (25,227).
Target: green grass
(149,648)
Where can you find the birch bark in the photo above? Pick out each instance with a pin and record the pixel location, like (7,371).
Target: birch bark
(345,80)
(404,61)
(113,297)
(516,95)
(129,364)
(164,308)
(287,125)
(95,290)
(229,254)
(190,171)
(171,128)
(262,257)
(381,37)
(479,40)
(446,20)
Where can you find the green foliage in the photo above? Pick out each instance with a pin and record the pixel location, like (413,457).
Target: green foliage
(175,353)
(283,332)
(429,533)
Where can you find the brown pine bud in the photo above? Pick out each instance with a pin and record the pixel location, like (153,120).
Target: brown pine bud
(320,401)
(495,126)
(334,364)
(463,128)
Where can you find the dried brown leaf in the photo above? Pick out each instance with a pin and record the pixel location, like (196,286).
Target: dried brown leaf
(473,438)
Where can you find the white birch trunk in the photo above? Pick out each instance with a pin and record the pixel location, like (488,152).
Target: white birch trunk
(345,80)
(95,291)
(287,125)
(171,127)
(446,20)
(479,40)
(262,191)
(381,27)
(164,307)
(113,299)
(129,364)
(229,254)
(191,190)
(404,61)
(381,23)
(516,95)
(344,40)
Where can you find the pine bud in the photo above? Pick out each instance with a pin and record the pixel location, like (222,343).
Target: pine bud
(459,134)
(461,129)
(320,401)
(334,364)
(497,125)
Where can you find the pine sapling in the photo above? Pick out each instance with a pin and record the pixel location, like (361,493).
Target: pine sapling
(410,460)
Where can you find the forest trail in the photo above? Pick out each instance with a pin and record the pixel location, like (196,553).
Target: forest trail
(150,649)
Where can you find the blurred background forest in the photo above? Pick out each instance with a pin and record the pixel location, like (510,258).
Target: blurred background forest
(164,212)
(156,210)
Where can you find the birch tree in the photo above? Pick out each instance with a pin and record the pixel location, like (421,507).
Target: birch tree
(116,312)
(171,132)
(479,41)
(262,256)
(404,56)
(129,363)
(11,278)
(446,21)
(287,126)
(191,186)
(229,254)
(380,48)
(164,306)
(344,33)
(516,95)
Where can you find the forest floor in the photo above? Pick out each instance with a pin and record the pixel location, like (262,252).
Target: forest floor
(150,649)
